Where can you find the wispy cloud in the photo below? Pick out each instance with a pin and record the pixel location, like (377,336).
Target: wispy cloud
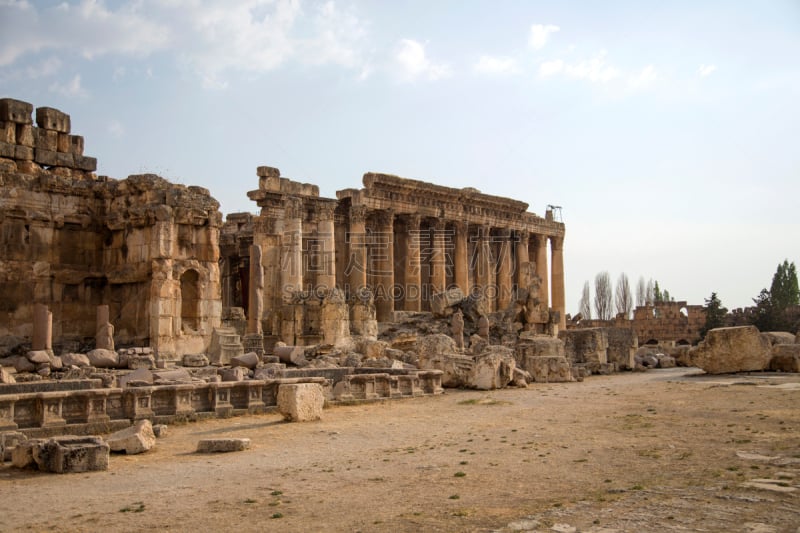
(496,65)
(540,34)
(644,78)
(71,88)
(595,70)
(706,70)
(211,38)
(414,63)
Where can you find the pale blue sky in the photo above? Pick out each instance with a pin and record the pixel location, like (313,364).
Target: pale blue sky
(668,131)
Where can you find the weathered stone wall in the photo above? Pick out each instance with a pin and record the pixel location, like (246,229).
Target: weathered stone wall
(143,246)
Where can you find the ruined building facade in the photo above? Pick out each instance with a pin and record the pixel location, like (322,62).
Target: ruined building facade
(305,269)
(72,240)
(403,240)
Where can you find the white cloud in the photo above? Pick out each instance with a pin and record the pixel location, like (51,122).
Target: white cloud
(706,70)
(540,34)
(644,78)
(549,68)
(496,65)
(212,38)
(87,27)
(414,64)
(596,70)
(72,88)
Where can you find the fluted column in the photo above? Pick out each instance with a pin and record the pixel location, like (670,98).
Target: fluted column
(540,246)
(438,273)
(504,268)
(325,232)
(384,266)
(356,269)
(559,300)
(483,265)
(412,265)
(522,259)
(292,267)
(461,258)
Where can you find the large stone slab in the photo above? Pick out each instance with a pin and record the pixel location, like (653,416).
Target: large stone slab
(102,358)
(249,360)
(69,454)
(441,302)
(301,402)
(785,358)
(136,439)
(728,350)
(222,445)
(548,368)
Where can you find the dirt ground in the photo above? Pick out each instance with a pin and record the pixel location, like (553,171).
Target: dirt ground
(658,451)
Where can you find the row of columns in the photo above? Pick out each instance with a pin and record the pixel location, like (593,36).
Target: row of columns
(485,273)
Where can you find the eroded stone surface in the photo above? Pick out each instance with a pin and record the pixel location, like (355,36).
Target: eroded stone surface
(301,402)
(736,349)
(222,445)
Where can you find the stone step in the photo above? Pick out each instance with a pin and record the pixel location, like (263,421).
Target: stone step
(230,339)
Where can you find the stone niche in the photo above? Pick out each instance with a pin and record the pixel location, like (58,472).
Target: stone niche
(71,240)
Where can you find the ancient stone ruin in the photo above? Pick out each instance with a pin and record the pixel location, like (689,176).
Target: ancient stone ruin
(130,300)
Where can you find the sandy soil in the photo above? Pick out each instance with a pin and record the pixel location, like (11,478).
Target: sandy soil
(655,451)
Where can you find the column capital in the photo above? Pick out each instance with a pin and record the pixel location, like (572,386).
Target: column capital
(411,221)
(438,224)
(293,207)
(460,226)
(325,211)
(523,235)
(358,213)
(385,218)
(556,243)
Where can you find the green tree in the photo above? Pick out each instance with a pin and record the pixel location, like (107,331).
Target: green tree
(784,290)
(765,318)
(715,314)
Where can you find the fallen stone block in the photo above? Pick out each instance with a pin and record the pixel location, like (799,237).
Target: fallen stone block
(295,355)
(136,362)
(38,357)
(102,358)
(138,438)
(71,453)
(6,376)
(736,349)
(548,369)
(173,375)
(8,441)
(137,378)
(434,345)
(237,373)
(493,370)
(195,360)
(75,359)
(300,402)
(778,337)
(248,360)
(665,361)
(785,358)
(22,453)
(222,445)
(160,430)
(441,302)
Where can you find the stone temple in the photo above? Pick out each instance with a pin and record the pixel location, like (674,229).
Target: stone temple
(305,270)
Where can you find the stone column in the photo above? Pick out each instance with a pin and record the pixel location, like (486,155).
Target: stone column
(42,328)
(255,298)
(438,272)
(484,264)
(104,332)
(504,270)
(559,300)
(325,232)
(384,266)
(461,258)
(356,270)
(540,247)
(292,264)
(522,259)
(412,265)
